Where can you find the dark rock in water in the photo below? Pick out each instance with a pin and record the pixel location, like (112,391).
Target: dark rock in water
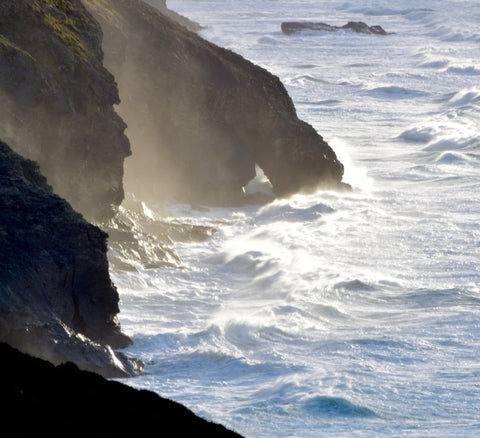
(138,240)
(289,28)
(200,117)
(57,101)
(56,297)
(43,400)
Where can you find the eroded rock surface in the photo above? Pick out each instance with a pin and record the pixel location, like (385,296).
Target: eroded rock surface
(58,101)
(200,117)
(57,301)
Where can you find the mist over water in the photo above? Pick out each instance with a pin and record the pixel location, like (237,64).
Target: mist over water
(337,313)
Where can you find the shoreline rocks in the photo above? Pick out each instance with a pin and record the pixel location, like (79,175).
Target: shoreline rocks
(43,400)
(289,28)
(57,301)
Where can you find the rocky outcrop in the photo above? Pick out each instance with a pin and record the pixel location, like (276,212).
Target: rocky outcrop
(57,301)
(43,400)
(57,101)
(289,28)
(161,5)
(200,117)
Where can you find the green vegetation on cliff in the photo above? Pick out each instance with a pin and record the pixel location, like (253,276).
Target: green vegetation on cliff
(58,15)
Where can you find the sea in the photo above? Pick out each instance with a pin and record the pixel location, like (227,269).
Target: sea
(338,313)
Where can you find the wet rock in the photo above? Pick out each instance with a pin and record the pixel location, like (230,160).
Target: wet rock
(290,28)
(56,297)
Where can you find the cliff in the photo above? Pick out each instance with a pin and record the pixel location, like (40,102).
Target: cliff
(56,297)
(201,117)
(44,400)
(57,101)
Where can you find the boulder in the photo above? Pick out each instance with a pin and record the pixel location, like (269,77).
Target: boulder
(58,101)
(200,117)
(290,28)
(57,301)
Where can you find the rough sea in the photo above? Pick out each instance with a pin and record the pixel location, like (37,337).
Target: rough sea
(337,314)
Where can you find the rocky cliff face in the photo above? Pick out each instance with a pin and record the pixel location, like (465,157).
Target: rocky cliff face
(44,400)
(56,298)
(57,101)
(200,117)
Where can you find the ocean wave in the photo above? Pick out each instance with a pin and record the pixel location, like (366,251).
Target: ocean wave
(453,143)
(467,97)
(355,285)
(247,335)
(449,34)
(330,102)
(430,298)
(379,11)
(395,92)
(336,407)
(452,158)
(305,66)
(302,79)
(437,64)
(285,211)
(266,40)
(419,134)
(470,70)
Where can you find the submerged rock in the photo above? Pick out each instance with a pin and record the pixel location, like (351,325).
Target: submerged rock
(57,101)
(57,301)
(44,400)
(201,117)
(289,28)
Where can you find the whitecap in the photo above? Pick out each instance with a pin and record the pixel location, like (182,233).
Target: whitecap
(445,33)
(470,70)
(302,79)
(419,134)
(452,158)
(435,64)
(453,143)
(355,285)
(467,97)
(284,211)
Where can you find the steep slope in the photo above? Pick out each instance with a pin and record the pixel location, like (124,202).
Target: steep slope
(56,297)
(57,101)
